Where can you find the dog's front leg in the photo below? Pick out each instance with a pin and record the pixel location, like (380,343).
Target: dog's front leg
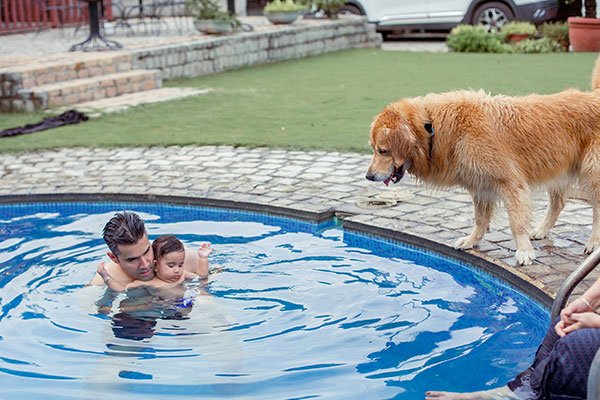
(484,208)
(517,199)
(556,204)
(594,242)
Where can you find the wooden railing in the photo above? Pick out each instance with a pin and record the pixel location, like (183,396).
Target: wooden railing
(30,15)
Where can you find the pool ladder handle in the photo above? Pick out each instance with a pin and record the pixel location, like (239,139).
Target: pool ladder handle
(560,301)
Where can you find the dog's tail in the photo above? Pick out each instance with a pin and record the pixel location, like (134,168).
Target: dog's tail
(596,75)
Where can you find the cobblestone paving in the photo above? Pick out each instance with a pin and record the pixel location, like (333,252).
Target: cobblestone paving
(312,181)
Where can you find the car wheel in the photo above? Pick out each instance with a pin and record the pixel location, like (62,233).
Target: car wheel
(492,16)
(349,9)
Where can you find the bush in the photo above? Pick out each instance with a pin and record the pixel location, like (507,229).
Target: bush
(543,45)
(557,31)
(283,6)
(329,7)
(474,39)
(518,28)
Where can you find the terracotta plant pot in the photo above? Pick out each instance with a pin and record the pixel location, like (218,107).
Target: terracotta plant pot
(517,37)
(584,33)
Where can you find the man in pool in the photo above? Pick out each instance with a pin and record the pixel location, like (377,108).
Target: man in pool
(131,255)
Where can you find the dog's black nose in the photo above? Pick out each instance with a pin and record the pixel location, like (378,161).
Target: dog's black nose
(370,177)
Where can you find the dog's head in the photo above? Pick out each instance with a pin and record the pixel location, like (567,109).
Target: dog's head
(394,142)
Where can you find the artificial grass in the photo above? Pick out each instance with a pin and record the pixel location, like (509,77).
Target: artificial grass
(325,102)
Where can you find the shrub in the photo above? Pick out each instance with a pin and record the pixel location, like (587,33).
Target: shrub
(283,6)
(518,28)
(557,31)
(329,7)
(543,45)
(474,39)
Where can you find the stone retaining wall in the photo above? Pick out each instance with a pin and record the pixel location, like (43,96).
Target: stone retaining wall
(218,54)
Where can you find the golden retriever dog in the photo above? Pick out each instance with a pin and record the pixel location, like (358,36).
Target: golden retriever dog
(497,148)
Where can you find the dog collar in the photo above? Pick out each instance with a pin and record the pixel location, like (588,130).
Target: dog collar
(429,128)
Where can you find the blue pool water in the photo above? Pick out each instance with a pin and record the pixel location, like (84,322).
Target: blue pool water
(294,310)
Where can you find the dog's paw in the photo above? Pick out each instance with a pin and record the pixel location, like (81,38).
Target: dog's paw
(525,257)
(591,246)
(465,243)
(538,234)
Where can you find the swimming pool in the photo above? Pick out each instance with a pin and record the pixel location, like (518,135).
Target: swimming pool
(294,310)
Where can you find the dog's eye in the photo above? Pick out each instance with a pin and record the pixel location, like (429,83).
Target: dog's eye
(383,152)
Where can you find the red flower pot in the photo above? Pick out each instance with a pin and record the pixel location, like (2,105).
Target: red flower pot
(584,33)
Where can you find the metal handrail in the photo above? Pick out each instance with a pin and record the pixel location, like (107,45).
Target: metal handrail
(560,301)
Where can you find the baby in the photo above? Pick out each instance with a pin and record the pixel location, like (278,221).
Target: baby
(169,254)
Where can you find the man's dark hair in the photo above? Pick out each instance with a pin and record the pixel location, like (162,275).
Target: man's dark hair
(166,244)
(123,228)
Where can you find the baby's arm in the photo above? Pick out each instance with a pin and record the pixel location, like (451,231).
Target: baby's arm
(202,264)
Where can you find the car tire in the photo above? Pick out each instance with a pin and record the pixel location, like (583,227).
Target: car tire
(492,15)
(350,9)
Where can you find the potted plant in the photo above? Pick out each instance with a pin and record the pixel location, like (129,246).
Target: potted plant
(209,18)
(329,7)
(515,31)
(283,11)
(584,32)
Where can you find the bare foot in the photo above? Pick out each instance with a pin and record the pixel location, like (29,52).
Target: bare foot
(448,396)
(492,394)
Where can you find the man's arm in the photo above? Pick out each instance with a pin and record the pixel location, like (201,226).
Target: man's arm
(108,280)
(114,270)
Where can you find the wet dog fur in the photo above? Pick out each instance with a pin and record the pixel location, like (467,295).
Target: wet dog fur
(498,148)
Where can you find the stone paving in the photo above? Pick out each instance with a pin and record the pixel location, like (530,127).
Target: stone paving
(311,181)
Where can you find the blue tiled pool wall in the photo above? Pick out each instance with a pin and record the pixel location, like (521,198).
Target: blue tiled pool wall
(462,272)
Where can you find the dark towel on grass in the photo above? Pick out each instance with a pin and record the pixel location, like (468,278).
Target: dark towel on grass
(66,118)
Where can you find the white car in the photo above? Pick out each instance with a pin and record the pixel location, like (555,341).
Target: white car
(395,15)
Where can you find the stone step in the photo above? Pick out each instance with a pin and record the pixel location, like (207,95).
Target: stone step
(120,103)
(88,89)
(37,73)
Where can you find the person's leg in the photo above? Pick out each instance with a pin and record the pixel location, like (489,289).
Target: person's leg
(521,383)
(564,373)
(518,388)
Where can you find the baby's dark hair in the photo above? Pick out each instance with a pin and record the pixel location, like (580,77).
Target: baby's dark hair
(166,244)
(123,228)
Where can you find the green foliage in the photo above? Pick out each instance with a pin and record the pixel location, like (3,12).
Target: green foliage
(330,7)
(518,28)
(557,31)
(543,45)
(283,6)
(208,9)
(474,39)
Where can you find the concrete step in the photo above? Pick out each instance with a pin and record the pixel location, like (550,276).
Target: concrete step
(87,89)
(79,66)
(123,102)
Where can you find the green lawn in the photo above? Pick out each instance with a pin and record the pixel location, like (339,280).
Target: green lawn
(324,102)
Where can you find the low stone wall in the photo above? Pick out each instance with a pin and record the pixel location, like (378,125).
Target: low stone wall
(264,45)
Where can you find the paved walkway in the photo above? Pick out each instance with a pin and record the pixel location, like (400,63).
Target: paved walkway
(312,181)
